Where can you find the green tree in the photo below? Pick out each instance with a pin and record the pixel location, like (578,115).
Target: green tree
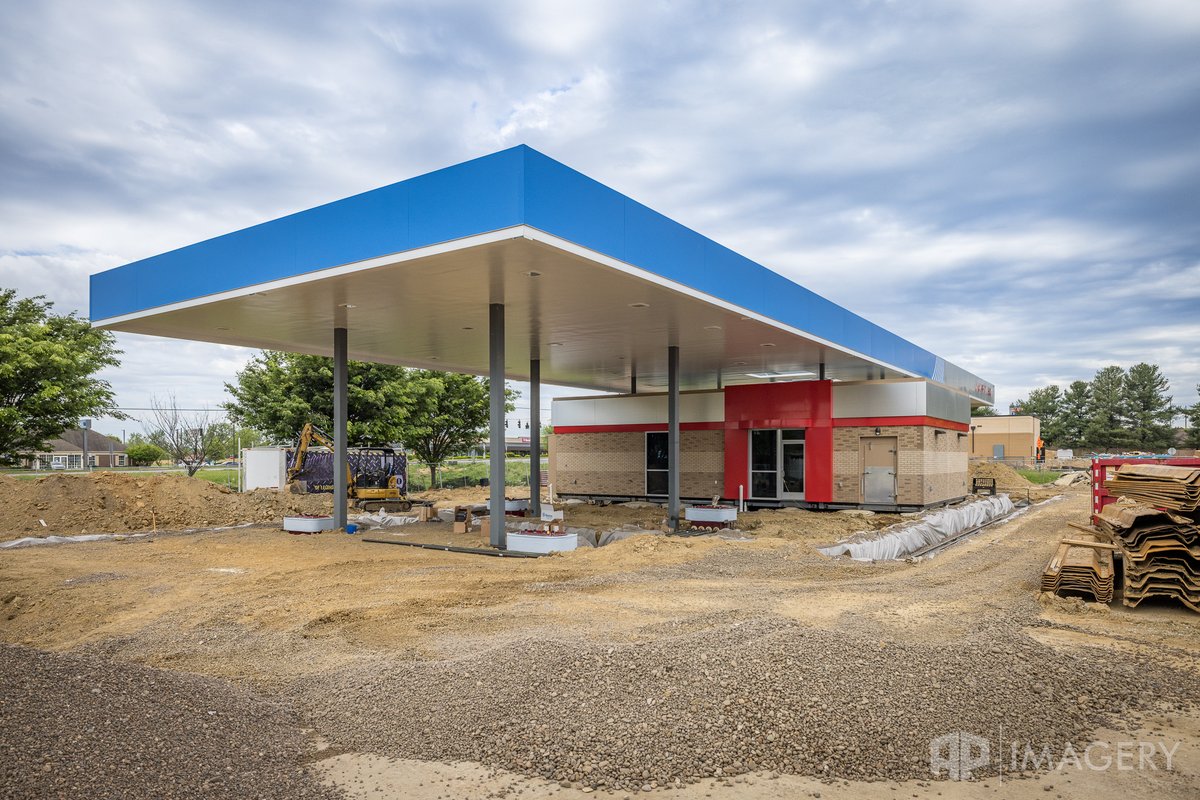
(451,415)
(48,364)
(983,411)
(1149,408)
(1046,404)
(142,454)
(433,414)
(1075,412)
(1108,418)
(226,436)
(1192,413)
(277,393)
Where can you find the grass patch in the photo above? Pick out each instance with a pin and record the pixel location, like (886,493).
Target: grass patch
(516,473)
(1039,475)
(225,477)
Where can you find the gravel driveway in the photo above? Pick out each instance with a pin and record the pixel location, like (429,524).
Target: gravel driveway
(80,727)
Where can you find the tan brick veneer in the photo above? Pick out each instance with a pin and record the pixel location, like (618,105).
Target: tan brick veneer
(615,463)
(931,465)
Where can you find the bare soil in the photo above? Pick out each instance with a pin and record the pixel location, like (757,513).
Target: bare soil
(323,623)
(1012,482)
(111,502)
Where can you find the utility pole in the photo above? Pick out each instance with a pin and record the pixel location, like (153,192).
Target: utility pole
(86,424)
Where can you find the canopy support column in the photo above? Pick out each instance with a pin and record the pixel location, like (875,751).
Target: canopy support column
(673,438)
(535,438)
(341,478)
(498,537)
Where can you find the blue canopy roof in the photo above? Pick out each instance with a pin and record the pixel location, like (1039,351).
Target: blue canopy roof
(518,189)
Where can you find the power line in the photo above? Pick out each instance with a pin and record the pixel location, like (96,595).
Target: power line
(132,408)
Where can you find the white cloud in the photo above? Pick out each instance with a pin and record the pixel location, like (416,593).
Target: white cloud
(571,109)
(1010,185)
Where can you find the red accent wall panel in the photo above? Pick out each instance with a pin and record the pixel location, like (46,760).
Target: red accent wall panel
(800,404)
(818,464)
(737,462)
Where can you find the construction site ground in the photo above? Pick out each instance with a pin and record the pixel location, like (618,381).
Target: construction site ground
(754,668)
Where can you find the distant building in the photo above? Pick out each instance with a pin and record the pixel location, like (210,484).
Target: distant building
(513,445)
(66,452)
(1013,436)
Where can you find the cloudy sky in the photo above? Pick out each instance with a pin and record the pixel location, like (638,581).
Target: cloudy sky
(1013,185)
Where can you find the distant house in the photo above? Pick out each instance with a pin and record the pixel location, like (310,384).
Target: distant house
(66,452)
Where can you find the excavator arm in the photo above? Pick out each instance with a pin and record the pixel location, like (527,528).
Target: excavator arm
(308,434)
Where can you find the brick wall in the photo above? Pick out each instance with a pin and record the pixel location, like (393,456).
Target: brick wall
(615,463)
(931,467)
(945,464)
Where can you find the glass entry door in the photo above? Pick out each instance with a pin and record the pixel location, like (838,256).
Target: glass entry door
(764,464)
(791,467)
(777,464)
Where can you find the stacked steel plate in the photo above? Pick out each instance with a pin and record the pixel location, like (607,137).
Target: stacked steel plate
(1080,568)
(1161,552)
(1158,485)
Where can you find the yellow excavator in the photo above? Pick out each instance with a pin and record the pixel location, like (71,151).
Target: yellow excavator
(376,475)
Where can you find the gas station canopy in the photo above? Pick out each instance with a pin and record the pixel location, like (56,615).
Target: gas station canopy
(595,286)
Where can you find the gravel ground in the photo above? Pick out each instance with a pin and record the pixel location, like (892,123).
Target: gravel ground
(76,727)
(734,697)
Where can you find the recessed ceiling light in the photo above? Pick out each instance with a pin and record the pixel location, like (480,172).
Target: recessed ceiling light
(556,344)
(794,374)
(712,327)
(533,273)
(347,305)
(639,305)
(768,344)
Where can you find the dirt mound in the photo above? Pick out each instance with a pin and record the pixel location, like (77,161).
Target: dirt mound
(1006,477)
(110,502)
(800,525)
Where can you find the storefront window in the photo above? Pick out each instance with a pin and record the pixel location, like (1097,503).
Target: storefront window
(658,461)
